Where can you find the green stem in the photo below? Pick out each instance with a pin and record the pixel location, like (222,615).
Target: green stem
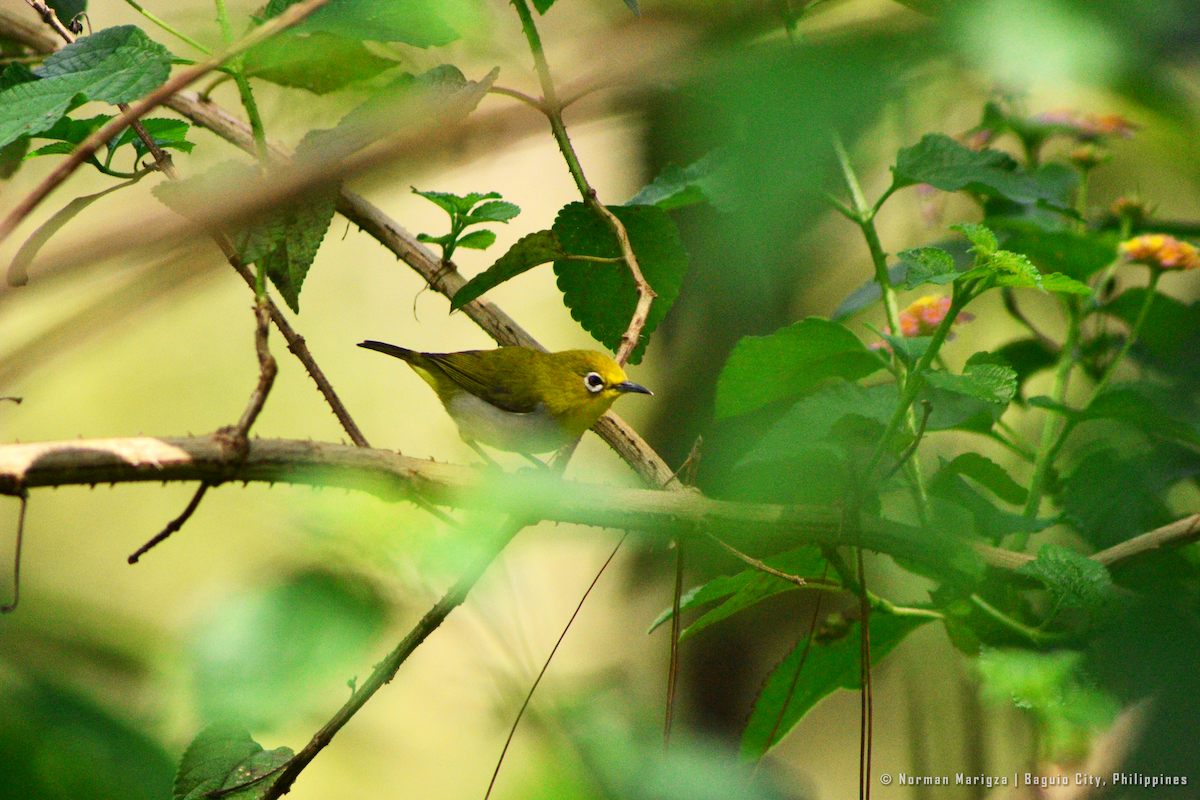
(176,33)
(1053,438)
(256,125)
(1034,635)
(864,216)
(1134,332)
(550,98)
(223,21)
(1051,435)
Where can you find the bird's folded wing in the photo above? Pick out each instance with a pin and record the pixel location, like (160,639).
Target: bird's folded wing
(489,380)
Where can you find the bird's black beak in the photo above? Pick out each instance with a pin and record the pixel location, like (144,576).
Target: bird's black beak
(630,386)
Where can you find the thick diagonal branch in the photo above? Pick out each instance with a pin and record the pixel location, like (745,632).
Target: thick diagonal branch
(391,476)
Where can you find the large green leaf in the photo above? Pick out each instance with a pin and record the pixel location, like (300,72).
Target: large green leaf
(927,265)
(407,104)
(223,757)
(809,673)
(59,742)
(304,224)
(285,240)
(421,23)
(679,187)
(1076,255)
(793,360)
(805,562)
(115,65)
(811,421)
(945,164)
(537,248)
(319,62)
(988,473)
(1171,326)
(991,382)
(602,296)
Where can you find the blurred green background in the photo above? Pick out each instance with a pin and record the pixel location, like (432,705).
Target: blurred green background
(271,599)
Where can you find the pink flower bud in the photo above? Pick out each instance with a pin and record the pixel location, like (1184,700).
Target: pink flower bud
(1159,251)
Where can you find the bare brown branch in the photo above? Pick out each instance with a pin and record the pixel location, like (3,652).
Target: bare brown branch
(394,477)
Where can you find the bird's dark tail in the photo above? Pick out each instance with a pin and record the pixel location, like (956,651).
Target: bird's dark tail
(391,349)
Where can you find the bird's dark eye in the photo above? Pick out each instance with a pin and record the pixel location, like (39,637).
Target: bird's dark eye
(593,382)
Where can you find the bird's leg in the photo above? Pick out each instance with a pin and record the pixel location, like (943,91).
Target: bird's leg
(535,460)
(491,462)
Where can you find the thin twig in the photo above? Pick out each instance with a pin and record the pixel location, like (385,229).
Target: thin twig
(808,640)
(866,709)
(49,17)
(524,98)
(172,526)
(926,410)
(386,669)
(106,132)
(673,668)
(756,564)
(529,696)
(553,111)
(10,607)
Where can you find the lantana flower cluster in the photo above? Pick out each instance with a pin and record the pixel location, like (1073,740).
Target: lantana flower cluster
(1160,251)
(923,316)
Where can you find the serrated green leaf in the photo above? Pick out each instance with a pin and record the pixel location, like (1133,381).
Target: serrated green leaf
(169,134)
(677,187)
(822,668)
(530,251)
(115,65)
(602,297)
(927,265)
(991,382)
(810,422)
(305,224)
(981,236)
(765,369)
(1073,580)
(495,211)
(223,757)
(319,62)
(74,131)
(908,349)
(716,589)
(444,200)
(988,473)
(478,240)
(407,104)
(1027,357)
(421,23)
(1062,284)
(11,156)
(945,164)
(1067,708)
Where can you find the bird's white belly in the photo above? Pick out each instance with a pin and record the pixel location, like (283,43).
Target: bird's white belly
(479,420)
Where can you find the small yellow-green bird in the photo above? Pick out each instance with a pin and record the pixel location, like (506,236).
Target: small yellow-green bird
(518,399)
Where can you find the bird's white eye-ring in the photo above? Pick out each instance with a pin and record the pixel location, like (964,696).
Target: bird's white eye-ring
(593,382)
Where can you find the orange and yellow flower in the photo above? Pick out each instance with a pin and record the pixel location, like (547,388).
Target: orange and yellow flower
(923,316)
(1160,251)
